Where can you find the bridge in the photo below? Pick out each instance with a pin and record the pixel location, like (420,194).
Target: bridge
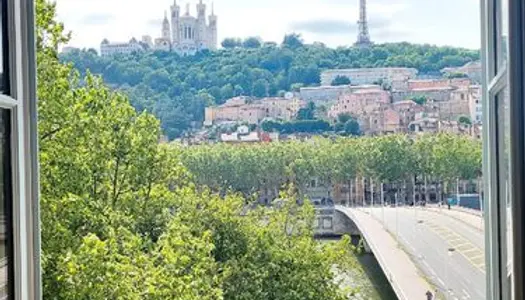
(420,249)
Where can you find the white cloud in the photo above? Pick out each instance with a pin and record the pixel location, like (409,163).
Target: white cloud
(451,22)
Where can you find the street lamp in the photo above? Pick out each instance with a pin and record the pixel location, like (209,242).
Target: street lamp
(372,197)
(383,203)
(397,218)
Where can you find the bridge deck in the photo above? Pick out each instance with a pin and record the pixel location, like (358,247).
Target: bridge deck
(404,276)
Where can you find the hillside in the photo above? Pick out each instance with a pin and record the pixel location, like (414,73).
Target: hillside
(176,89)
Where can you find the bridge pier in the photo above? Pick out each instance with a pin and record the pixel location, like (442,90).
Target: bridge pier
(330,222)
(333,223)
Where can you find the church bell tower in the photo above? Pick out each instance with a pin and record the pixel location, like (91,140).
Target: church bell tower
(175,22)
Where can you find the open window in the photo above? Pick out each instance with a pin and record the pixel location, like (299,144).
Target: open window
(19,233)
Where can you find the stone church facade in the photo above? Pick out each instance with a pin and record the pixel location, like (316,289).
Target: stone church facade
(186,34)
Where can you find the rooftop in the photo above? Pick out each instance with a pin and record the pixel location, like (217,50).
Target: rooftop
(404,102)
(429,89)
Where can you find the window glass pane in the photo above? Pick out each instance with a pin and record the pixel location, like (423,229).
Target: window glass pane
(502,32)
(503,115)
(3,46)
(5,207)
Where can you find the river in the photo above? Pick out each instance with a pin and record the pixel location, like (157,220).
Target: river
(370,279)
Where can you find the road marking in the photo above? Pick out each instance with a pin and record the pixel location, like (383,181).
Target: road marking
(468,250)
(463,245)
(408,244)
(466,294)
(475,250)
(426,264)
(441,281)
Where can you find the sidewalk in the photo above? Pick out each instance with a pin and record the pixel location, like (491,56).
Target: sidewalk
(400,270)
(468,216)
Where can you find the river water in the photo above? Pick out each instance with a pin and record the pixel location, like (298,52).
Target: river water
(369,278)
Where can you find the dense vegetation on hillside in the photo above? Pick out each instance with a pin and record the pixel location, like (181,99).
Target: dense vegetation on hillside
(176,89)
(123,219)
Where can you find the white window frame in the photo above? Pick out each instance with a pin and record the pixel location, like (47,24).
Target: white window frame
(21,103)
(505,275)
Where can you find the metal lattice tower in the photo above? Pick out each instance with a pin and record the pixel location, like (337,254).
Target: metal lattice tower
(363,37)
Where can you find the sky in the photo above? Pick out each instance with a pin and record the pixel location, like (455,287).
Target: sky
(332,22)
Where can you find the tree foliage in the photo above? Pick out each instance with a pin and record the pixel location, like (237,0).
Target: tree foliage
(347,124)
(230,43)
(340,80)
(389,159)
(307,113)
(464,120)
(419,99)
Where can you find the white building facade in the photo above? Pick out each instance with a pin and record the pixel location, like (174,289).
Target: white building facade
(363,76)
(189,34)
(108,48)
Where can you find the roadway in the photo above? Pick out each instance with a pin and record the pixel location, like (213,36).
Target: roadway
(448,251)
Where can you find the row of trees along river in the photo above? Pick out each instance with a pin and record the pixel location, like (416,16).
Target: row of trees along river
(396,160)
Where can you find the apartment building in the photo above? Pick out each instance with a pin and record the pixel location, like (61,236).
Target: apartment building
(108,48)
(471,69)
(359,101)
(322,94)
(437,83)
(433,89)
(408,110)
(363,76)
(253,111)
(383,120)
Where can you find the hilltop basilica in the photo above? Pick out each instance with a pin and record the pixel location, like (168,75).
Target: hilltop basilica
(187,34)
(184,34)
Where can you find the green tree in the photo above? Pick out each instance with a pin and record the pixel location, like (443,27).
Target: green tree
(293,40)
(465,120)
(343,118)
(296,87)
(260,88)
(252,42)
(227,91)
(238,90)
(307,113)
(229,43)
(456,75)
(352,127)
(340,80)
(420,99)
